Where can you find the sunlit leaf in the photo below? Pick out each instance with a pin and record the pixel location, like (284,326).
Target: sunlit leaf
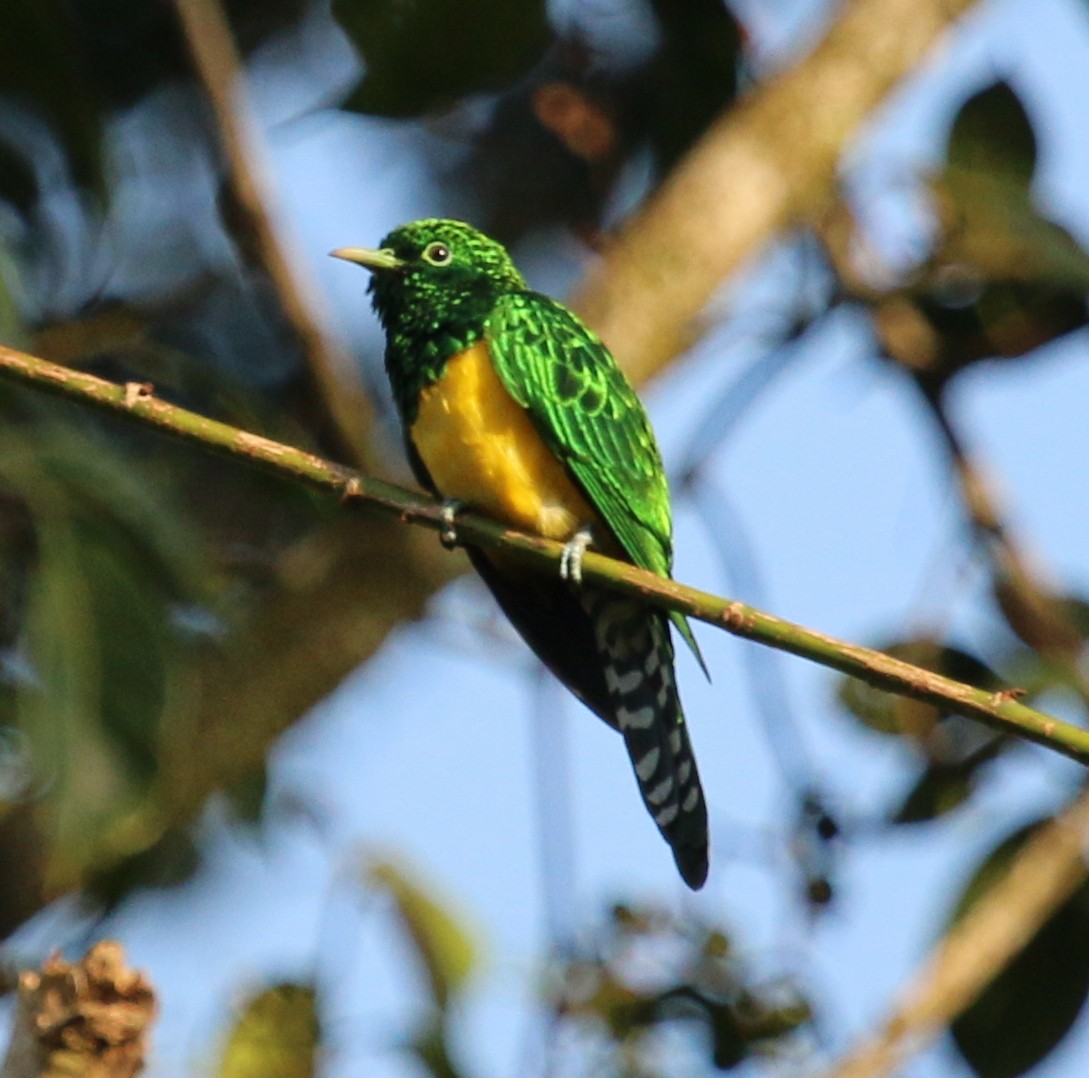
(443,943)
(277,1035)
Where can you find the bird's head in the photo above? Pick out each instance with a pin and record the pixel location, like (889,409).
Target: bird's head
(435,269)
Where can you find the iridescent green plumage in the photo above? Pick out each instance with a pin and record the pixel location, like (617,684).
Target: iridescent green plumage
(440,287)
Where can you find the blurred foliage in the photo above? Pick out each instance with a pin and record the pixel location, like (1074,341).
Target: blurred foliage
(73,63)
(645,971)
(1030,1006)
(556,144)
(953,750)
(422,54)
(43,67)
(276,1035)
(444,948)
(1002,279)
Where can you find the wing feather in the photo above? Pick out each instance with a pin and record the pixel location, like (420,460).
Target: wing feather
(585,409)
(589,416)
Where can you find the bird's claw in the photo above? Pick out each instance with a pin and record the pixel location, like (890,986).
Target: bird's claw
(571,558)
(448,536)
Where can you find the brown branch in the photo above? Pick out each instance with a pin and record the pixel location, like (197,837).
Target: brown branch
(1044,874)
(87,1019)
(219,69)
(1000,710)
(766,165)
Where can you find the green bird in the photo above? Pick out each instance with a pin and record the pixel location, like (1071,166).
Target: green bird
(512,407)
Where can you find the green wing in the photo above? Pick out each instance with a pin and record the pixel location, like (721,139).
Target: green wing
(588,414)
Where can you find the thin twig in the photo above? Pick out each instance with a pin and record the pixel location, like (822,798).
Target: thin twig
(1000,710)
(1043,875)
(219,69)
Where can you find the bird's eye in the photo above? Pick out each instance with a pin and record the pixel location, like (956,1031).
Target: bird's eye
(438,254)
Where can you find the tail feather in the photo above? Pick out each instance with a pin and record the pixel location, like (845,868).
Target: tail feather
(637,652)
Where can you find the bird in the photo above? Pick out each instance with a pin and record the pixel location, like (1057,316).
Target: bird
(514,408)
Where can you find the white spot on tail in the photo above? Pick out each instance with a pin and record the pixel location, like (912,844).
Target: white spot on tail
(667,815)
(622,684)
(649,763)
(661,791)
(642,719)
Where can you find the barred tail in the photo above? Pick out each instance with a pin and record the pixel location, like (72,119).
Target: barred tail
(635,647)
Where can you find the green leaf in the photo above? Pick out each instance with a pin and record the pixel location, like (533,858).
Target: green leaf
(889,713)
(42,65)
(1031,1005)
(938,790)
(276,1036)
(11,325)
(18,184)
(110,561)
(992,135)
(422,54)
(431,1047)
(443,943)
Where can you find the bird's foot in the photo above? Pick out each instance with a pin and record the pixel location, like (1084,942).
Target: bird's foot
(571,558)
(449,517)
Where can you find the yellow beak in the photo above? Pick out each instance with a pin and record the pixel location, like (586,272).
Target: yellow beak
(384,259)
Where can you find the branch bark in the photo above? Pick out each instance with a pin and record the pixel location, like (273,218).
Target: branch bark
(993,932)
(1000,710)
(766,165)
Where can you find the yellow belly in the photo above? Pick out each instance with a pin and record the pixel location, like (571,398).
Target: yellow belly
(481,448)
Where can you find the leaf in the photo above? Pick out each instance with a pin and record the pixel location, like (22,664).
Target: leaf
(1051,624)
(110,561)
(443,943)
(42,64)
(992,135)
(693,76)
(889,713)
(420,54)
(11,325)
(18,184)
(1031,1005)
(938,790)
(431,1047)
(276,1036)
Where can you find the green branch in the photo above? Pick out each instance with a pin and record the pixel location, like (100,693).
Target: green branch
(1000,710)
